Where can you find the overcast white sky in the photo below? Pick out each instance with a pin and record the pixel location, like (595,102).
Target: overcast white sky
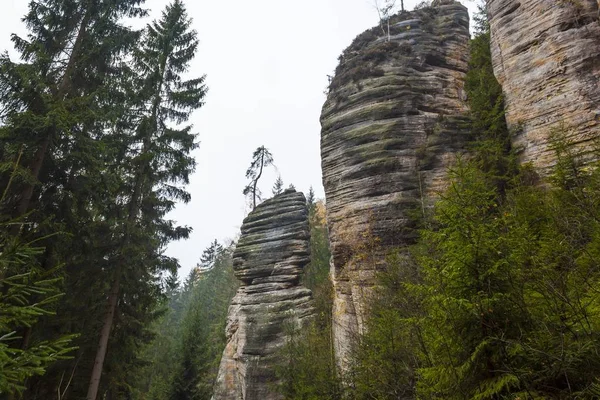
(267,63)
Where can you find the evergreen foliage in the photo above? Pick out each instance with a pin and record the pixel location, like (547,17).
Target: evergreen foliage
(94,118)
(277,186)
(497,299)
(310,199)
(386,358)
(210,255)
(156,163)
(509,288)
(24,298)
(183,359)
(261,158)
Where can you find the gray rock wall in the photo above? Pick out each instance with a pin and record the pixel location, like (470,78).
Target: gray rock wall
(546,56)
(394,119)
(269,260)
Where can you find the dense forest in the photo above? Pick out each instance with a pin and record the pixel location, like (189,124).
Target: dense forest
(496,299)
(95,153)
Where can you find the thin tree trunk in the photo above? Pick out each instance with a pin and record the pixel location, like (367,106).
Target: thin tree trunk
(254,194)
(104,336)
(262,161)
(388,26)
(113,297)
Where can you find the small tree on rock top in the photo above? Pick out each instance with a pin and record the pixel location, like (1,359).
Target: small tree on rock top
(385,9)
(278,186)
(261,159)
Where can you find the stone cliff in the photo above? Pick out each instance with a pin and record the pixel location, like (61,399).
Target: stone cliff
(394,119)
(546,56)
(269,260)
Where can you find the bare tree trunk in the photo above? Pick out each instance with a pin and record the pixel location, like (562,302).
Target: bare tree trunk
(262,162)
(104,336)
(388,26)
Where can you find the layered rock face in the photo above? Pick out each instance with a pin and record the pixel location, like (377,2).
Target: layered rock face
(269,260)
(546,56)
(394,119)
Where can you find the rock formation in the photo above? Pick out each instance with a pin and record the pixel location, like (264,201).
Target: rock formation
(546,56)
(269,261)
(393,121)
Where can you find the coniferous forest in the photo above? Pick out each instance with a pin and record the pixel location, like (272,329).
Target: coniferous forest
(497,297)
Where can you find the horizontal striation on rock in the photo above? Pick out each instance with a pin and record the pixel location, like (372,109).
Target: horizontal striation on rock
(269,260)
(394,120)
(546,56)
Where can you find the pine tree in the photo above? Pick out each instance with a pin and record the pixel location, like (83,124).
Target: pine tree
(277,186)
(261,159)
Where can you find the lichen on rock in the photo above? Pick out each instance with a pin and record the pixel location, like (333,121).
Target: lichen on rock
(269,260)
(546,56)
(393,122)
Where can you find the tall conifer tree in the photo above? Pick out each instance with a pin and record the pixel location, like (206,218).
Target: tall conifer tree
(158,162)
(57,103)
(56,93)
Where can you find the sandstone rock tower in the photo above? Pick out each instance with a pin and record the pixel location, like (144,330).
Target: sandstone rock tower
(546,56)
(394,119)
(269,260)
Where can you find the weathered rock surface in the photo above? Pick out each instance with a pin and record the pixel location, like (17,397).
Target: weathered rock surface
(394,119)
(269,260)
(546,56)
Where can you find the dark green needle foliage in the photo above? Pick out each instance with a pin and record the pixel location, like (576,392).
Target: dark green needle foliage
(277,186)
(156,166)
(185,355)
(24,298)
(261,158)
(94,117)
(498,299)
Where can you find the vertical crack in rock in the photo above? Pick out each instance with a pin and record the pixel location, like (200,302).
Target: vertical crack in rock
(269,260)
(546,56)
(394,120)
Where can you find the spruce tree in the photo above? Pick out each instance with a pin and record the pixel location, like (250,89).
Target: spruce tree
(56,106)
(56,93)
(209,256)
(159,163)
(311,199)
(201,338)
(277,186)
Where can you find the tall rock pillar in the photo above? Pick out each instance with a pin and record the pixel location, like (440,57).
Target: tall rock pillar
(394,119)
(269,260)
(546,56)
